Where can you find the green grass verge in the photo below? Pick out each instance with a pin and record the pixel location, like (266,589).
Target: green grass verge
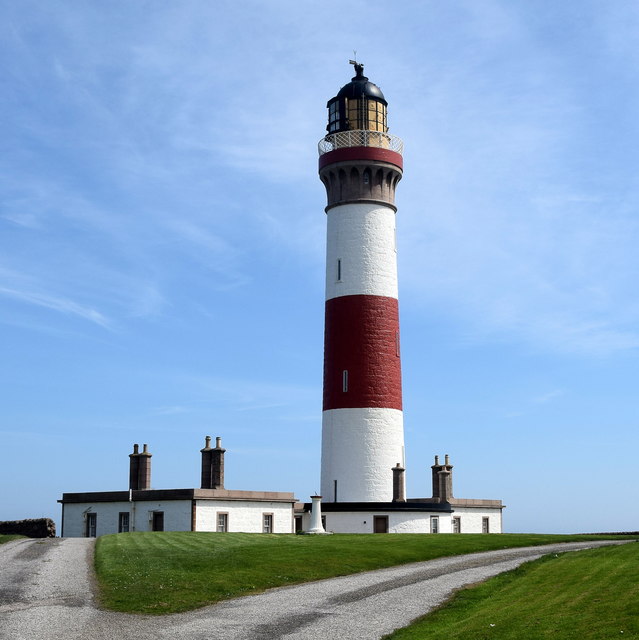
(171,572)
(8,537)
(589,595)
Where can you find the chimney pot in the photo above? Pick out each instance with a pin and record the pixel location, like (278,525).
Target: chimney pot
(218,443)
(136,448)
(207,442)
(446,461)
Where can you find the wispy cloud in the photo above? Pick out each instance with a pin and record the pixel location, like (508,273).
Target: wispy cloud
(545,398)
(518,228)
(211,251)
(527,405)
(23,219)
(170,410)
(249,394)
(61,305)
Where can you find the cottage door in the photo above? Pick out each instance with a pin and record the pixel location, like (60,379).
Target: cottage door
(380,524)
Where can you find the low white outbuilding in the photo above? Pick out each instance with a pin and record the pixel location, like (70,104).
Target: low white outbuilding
(209,508)
(441,513)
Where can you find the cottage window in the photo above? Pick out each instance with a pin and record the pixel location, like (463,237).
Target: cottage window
(157,522)
(91,525)
(222,522)
(123,522)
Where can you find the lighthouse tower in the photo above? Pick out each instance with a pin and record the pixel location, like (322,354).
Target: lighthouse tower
(360,165)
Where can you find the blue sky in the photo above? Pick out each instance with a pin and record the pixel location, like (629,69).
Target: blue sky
(162,244)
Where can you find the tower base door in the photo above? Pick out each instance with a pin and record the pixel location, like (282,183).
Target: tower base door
(380,524)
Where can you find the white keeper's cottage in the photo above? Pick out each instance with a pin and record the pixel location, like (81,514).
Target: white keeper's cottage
(209,508)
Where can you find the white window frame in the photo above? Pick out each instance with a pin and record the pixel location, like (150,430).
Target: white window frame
(222,521)
(91,525)
(124,522)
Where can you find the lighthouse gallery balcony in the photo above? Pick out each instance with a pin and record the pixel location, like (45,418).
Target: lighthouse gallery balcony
(360,138)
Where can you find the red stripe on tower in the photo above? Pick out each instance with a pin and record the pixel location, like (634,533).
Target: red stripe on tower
(361,353)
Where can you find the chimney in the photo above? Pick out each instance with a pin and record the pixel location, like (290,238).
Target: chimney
(399,494)
(445,484)
(435,470)
(442,480)
(140,468)
(212,464)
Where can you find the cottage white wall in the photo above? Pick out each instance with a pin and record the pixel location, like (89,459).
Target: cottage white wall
(177,516)
(414,522)
(417,522)
(348,522)
(398,522)
(306,520)
(471,519)
(243,516)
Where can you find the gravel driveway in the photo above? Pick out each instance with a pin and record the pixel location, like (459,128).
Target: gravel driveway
(46,593)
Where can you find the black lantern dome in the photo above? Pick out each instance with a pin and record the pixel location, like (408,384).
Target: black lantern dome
(359,105)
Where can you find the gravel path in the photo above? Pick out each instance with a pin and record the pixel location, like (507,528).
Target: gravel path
(46,593)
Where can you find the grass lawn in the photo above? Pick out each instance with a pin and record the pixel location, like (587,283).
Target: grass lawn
(8,537)
(588,595)
(169,572)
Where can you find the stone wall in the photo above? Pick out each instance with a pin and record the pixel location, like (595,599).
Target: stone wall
(33,528)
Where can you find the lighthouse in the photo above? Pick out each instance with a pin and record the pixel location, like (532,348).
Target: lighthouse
(363,463)
(360,165)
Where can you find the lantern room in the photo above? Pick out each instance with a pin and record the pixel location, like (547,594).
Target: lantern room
(359,105)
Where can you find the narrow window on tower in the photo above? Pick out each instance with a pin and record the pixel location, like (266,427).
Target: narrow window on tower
(397,343)
(345,381)
(339,270)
